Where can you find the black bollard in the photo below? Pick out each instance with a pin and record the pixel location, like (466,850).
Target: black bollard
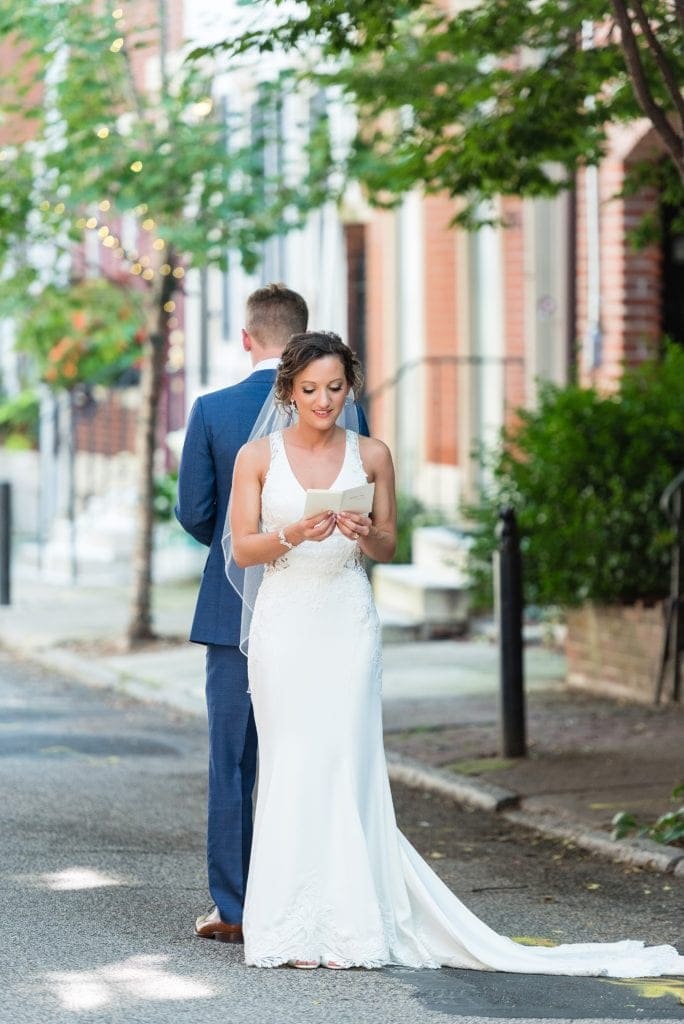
(5,540)
(509,608)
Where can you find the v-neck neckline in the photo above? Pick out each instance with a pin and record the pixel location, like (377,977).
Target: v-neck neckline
(294,475)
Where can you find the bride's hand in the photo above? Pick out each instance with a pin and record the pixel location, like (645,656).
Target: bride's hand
(353,525)
(317,527)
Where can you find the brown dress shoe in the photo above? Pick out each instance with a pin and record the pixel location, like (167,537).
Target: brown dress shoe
(210,926)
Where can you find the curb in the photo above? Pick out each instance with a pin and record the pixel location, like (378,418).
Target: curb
(461,789)
(88,672)
(642,853)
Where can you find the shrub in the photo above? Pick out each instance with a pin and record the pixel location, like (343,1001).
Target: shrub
(89,333)
(668,828)
(165,490)
(584,473)
(19,417)
(411,513)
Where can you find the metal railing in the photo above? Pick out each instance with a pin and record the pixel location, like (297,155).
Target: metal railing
(435,410)
(672,505)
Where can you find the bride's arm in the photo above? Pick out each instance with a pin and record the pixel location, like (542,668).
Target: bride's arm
(377,536)
(250,546)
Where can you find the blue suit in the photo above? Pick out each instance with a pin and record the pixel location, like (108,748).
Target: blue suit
(219,424)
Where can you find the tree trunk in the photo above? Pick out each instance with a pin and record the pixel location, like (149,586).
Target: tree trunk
(140,623)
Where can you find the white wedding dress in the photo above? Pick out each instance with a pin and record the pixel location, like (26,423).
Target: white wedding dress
(331,877)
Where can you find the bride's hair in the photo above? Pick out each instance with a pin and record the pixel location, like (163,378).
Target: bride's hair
(303,349)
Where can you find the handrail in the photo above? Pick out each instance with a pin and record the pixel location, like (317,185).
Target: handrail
(672,506)
(468,360)
(667,496)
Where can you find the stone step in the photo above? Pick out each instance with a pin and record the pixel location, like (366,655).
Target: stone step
(437,601)
(397,628)
(443,549)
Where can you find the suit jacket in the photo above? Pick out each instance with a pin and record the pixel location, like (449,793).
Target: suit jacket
(219,424)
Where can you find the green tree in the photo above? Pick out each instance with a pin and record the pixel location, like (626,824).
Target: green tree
(501,97)
(101,148)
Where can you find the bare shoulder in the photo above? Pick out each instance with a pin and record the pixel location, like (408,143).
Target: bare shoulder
(374,453)
(255,455)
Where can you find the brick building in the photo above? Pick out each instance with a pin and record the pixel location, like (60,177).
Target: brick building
(460,327)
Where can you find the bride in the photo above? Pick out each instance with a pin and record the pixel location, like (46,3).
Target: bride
(332,882)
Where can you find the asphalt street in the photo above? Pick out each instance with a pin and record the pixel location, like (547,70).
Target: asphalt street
(102,874)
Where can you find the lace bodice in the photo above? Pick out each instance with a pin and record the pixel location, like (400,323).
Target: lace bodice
(282,503)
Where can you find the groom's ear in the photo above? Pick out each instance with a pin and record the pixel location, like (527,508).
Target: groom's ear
(246,340)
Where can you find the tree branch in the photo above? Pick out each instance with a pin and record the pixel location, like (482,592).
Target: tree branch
(660,56)
(644,96)
(132,87)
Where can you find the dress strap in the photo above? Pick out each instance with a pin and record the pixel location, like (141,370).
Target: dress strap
(276,441)
(354,452)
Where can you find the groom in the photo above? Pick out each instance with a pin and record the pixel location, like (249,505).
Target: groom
(219,424)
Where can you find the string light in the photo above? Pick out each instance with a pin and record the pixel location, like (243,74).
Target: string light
(137,166)
(169,306)
(102,132)
(203,107)
(140,265)
(141,209)
(117,14)
(117,44)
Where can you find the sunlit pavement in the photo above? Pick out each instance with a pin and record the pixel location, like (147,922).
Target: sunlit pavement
(102,859)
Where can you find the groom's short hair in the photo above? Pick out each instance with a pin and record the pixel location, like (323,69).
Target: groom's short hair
(274,314)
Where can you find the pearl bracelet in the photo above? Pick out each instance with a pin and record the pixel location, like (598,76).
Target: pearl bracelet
(283,539)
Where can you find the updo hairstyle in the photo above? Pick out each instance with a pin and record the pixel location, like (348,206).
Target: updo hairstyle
(303,349)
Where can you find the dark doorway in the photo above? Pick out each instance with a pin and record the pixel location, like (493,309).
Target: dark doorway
(673,276)
(355,235)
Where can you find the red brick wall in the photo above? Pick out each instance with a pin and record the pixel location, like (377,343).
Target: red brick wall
(513,242)
(107,427)
(145,13)
(614,650)
(442,378)
(630,279)
(14,129)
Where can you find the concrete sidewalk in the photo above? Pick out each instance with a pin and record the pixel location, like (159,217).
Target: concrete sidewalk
(588,758)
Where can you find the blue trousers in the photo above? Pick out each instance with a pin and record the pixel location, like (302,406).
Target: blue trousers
(232,772)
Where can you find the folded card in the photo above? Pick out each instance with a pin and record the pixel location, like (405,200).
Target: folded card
(353,499)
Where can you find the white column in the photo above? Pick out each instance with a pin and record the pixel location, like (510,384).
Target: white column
(411,341)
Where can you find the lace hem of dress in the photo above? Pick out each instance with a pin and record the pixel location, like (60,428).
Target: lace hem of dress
(310,930)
